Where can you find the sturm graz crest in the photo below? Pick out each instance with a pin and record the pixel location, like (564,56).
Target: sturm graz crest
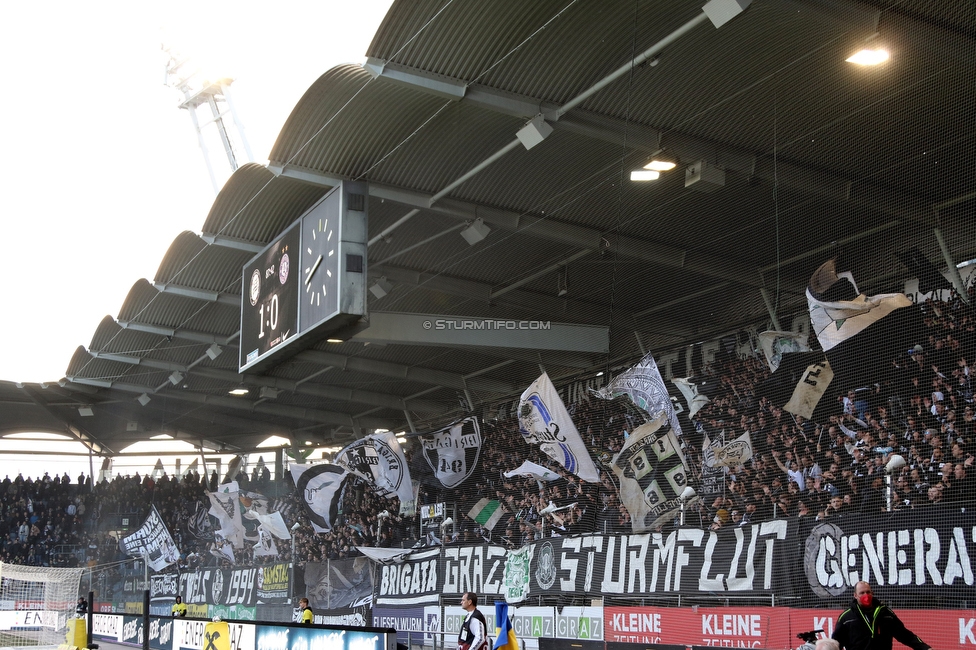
(453,451)
(545,572)
(217,586)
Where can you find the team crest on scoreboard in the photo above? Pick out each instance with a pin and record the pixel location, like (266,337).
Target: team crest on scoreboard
(453,451)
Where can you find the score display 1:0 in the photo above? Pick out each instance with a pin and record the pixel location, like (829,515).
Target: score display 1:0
(269,314)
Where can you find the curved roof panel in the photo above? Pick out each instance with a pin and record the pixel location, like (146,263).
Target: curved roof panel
(815,158)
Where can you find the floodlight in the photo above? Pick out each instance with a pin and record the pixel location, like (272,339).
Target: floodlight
(644,175)
(869,57)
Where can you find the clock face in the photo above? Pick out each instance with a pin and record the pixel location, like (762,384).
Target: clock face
(320,252)
(319,277)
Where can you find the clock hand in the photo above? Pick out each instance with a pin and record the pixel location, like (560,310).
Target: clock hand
(312,270)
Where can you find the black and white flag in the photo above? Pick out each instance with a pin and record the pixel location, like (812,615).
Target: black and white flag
(860,335)
(320,489)
(378,459)
(775,344)
(153,542)
(453,451)
(225,506)
(689,390)
(652,472)
(645,387)
(716,453)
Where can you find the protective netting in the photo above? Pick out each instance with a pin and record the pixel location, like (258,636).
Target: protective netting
(35,604)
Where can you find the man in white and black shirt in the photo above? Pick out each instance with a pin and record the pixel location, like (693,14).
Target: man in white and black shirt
(474,630)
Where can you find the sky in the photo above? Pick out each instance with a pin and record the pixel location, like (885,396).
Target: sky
(101,171)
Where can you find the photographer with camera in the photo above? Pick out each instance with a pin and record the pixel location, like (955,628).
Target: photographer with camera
(869,624)
(809,640)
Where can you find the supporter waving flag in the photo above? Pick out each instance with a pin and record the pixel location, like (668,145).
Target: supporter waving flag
(775,344)
(689,390)
(536,471)
(544,421)
(379,460)
(452,452)
(717,453)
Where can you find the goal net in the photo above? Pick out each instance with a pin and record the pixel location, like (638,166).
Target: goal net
(35,604)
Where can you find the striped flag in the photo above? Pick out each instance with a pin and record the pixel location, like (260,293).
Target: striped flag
(487,512)
(504,634)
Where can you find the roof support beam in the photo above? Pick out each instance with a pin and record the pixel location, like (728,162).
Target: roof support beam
(547,229)
(302,388)
(454,331)
(424,375)
(296,412)
(686,147)
(138,361)
(187,335)
(319,390)
(199,294)
(578,310)
(231,242)
(410,373)
(83,437)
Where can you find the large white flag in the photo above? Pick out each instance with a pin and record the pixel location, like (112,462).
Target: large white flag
(860,335)
(378,459)
(394,472)
(320,489)
(224,505)
(544,421)
(265,546)
(273,524)
(645,387)
(652,474)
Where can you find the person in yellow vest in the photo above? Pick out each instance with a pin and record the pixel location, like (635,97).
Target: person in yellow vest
(179,608)
(307,617)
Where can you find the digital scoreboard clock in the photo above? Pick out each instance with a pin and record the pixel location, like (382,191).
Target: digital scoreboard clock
(307,283)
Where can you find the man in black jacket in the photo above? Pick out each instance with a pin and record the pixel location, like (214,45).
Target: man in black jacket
(868,624)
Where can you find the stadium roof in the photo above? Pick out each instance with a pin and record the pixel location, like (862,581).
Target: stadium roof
(821,157)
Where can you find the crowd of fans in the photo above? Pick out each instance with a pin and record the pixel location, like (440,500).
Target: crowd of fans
(922,410)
